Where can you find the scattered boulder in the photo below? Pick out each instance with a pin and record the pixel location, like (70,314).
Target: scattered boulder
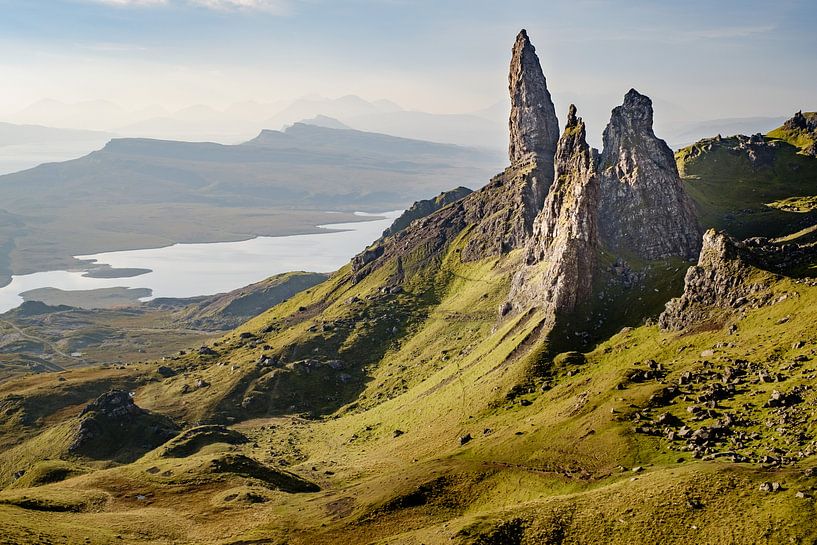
(771,486)
(166,371)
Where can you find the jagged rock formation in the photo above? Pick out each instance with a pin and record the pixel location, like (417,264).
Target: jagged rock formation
(533,125)
(502,213)
(801,131)
(628,204)
(421,209)
(729,276)
(802,122)
(643,209)
(720,280)
(562,254)
(113,425)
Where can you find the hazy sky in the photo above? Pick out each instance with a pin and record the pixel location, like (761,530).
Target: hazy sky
(703,57)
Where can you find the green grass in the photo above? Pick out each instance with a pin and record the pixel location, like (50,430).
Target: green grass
(732,194)
(552,445)
(796,204)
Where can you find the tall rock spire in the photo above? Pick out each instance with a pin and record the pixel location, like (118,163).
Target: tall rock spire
(562,253)
(644,210)
(534,127)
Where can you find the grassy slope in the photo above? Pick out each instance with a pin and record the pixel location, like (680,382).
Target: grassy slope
(733,194)
(430,366)
(547,464)
(798,138)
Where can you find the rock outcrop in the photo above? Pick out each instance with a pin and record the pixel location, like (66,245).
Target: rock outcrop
(421,209)
(503,212)
(729,276)
(561,256)
(644,210)
(721,281)
(533,125)
(799,121)
(114,427)
(803,127)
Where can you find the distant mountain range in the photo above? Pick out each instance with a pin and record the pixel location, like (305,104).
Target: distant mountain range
(26,146)
(139,193)
(239,122)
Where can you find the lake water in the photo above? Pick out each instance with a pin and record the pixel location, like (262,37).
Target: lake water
(187,270)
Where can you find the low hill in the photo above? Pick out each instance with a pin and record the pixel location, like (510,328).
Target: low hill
(753,185)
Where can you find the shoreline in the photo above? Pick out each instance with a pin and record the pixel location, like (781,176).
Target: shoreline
(83,288)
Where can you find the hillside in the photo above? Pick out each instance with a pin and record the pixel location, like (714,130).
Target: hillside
(569,354)
(752,186)
(43,337)
(139,193)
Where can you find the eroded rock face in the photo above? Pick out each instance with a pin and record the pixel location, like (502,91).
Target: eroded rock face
(503,212)
(562,254)
(805,124)
(729,276)
(533,125)
(801,122)
(643,210)
(720,281)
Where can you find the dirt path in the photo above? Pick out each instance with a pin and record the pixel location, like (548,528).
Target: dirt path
(25,335)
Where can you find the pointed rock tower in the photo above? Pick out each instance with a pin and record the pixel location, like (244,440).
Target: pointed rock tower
(500,216)
(644,210)
(562,254)
(506,208)
(533,125)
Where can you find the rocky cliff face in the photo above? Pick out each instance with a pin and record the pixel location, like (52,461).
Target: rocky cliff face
(533,125)
(730,276)
(566,206)
(644,210)
(799,121)
(801,131)
(561,256)
(503,212)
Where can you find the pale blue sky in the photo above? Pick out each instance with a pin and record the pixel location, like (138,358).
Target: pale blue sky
(697,59)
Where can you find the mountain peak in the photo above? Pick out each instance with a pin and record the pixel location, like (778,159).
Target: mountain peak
(635,113)
(534,128)
(572,120)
